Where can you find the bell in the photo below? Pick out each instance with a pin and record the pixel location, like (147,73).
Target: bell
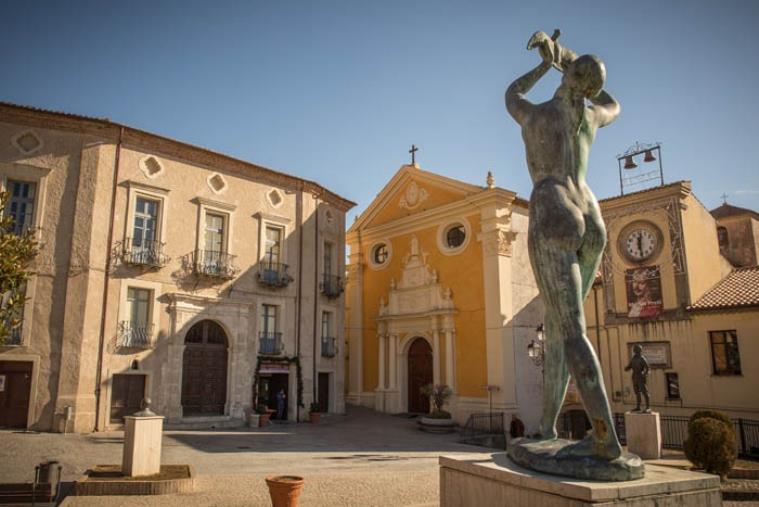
(630,163)
(649,156)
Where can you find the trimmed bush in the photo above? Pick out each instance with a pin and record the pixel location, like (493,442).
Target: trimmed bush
(711,445)
(714,414)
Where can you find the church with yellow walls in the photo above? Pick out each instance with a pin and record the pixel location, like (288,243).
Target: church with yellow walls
(440,291)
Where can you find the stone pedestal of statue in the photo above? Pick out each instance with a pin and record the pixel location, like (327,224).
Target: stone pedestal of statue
(142,445)
(493,479)
(643,431)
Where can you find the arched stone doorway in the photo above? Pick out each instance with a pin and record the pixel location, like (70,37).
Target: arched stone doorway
(419,375)
(204,370)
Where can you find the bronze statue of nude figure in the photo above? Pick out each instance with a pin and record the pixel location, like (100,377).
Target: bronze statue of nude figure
(566,235)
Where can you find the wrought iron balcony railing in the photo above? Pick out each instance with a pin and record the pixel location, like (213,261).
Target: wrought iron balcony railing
(214,264)
(332,286)
(273,274)
(142,252)
(137,335)
(270,344)
(329,346)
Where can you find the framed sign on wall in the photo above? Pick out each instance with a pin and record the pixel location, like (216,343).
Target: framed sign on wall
(658,354)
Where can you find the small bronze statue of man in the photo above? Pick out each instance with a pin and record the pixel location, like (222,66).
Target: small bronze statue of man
(639,367)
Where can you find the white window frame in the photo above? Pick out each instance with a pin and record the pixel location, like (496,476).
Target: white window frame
(266,220)
(442,231)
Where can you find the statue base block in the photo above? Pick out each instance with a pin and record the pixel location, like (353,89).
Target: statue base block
(545,456)
(495,480)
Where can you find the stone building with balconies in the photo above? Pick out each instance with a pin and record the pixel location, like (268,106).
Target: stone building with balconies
(169,271)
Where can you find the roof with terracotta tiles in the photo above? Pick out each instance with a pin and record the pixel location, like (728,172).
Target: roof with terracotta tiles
(737,290)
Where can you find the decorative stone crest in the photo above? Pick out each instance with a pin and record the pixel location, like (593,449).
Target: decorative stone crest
(498,242)
(414,196)
(27,142)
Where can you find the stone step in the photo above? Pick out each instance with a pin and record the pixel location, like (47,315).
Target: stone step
(204,423)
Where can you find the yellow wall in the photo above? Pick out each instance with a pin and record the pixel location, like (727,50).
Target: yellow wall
(701,248)
(463,273)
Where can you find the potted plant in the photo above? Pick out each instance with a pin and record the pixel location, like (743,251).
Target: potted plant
(263,414)
(314,413)
(253,418)
(439,420)
(284,490)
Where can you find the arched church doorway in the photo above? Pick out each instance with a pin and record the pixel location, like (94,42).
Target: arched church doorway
(419,375)
(204,370)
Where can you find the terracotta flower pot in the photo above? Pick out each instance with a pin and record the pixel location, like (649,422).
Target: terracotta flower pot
(284,490)
(264,419)
(315,417)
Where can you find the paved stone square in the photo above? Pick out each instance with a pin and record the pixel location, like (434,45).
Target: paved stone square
(362,458)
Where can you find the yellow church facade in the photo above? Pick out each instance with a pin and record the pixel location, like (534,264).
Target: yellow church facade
(440,291)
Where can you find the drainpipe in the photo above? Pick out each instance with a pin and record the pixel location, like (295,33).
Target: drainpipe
(316,286)
(106,279)
(299,222)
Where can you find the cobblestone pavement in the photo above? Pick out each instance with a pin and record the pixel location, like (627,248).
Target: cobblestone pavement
(362,458)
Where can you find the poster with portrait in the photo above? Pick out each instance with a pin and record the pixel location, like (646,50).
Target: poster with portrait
(643,292)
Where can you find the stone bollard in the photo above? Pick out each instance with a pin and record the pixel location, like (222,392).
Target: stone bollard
(142,442)
(643,431)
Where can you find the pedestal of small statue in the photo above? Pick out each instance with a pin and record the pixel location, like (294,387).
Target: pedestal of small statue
(643,431)
(142,445)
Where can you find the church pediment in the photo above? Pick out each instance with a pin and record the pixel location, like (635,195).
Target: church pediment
(412,190)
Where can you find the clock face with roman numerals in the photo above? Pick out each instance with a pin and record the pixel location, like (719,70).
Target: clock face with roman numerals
(640,244)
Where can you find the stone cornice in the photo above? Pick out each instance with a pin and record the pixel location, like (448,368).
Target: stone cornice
(679,189)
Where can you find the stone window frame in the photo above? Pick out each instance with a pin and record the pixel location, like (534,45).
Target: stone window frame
(215,207)
(442,232)
(281,304)
(15,138)
(265,220)
(152,193)
(155,314)
(372,248)
(333,311)
(38,175)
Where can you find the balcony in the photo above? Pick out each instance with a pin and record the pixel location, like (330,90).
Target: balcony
(329,346)
(135,335)
(270,344)
(332,286)
(146,253)
(273,274)
(214,264)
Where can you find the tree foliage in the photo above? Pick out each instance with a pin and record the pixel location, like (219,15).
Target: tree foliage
(16,253)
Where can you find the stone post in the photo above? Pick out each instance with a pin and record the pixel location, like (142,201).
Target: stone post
(142,443)
(435,357)
(643,431)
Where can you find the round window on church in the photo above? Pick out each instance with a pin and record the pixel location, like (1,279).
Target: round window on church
(455,236)
(380,253)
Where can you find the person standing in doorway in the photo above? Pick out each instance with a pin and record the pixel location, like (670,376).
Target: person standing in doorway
(281,397)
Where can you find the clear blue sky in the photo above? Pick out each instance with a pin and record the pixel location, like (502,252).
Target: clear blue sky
(337,91)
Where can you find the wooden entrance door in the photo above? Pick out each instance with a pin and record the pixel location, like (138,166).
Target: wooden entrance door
(204,370)
(127,392)
(419,375)
(15,390)
(324,392)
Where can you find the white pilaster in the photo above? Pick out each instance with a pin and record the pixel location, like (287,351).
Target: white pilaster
(381,383)
(435,357)
(393,364)
(449,354)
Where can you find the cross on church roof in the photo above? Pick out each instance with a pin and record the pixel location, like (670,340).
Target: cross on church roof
(724,198)
(413,151)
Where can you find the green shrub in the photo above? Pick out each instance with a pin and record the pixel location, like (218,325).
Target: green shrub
(711,445)
(714,414)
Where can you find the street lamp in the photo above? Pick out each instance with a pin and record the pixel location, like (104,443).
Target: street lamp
(536,348)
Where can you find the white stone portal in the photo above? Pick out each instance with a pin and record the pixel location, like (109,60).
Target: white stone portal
(417,306)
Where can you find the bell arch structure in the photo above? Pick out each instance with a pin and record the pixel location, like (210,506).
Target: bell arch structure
(417,306)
